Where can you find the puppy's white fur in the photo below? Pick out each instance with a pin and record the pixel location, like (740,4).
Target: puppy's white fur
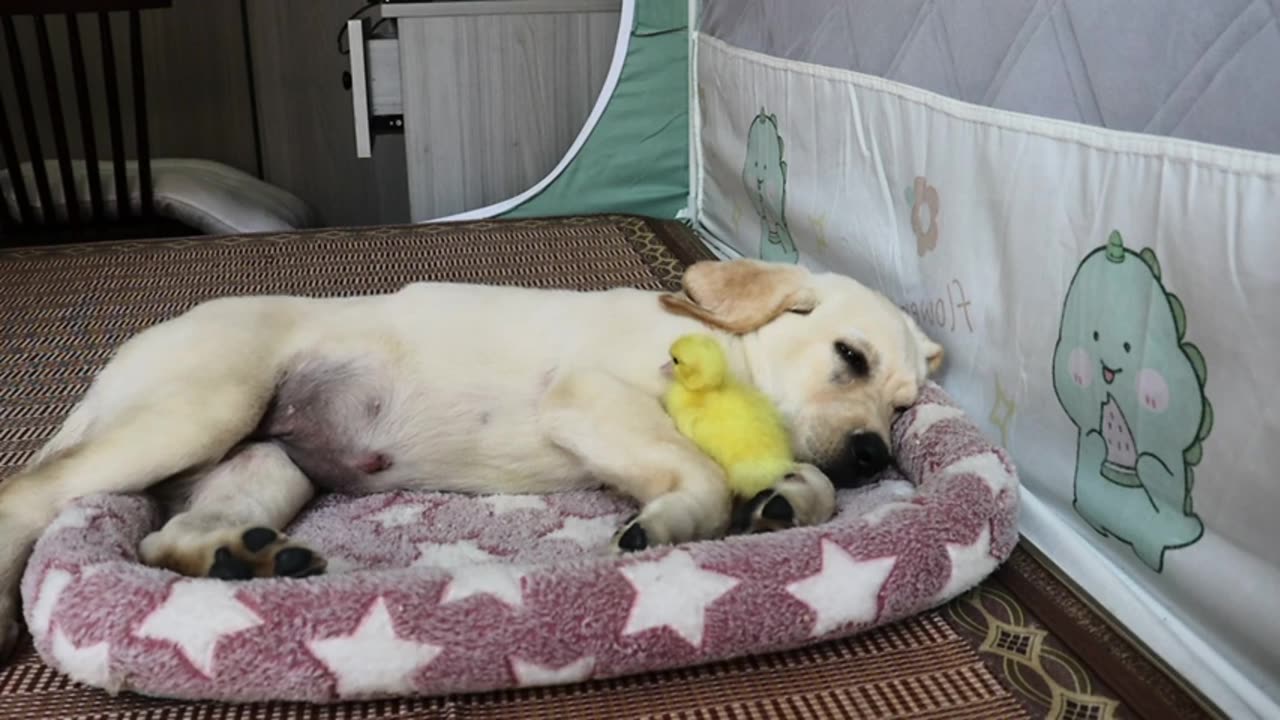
(459,387)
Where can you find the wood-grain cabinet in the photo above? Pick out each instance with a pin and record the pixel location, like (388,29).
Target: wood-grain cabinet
(491,93)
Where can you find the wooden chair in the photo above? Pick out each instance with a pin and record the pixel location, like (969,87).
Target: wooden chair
(112,191)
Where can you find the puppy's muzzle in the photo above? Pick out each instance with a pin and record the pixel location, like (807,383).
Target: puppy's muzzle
(865,455)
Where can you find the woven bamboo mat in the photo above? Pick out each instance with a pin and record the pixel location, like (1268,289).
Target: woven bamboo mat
(63,309)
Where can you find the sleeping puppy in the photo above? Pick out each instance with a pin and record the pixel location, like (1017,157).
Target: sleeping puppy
(240,410)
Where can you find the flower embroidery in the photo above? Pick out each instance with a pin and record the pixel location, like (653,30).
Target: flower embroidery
(924,215)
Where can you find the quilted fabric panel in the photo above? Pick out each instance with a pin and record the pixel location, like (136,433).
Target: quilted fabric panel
(1179,68)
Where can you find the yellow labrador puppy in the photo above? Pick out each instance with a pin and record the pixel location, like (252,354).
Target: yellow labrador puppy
(238,411)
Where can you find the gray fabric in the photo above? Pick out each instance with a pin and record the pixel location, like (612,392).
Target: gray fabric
(1206,70)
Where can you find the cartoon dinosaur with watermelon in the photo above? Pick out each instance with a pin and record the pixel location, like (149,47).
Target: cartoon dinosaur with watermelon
(1134,388)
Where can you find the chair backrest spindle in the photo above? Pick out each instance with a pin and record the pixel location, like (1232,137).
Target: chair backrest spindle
(114,121)
(84,108)
(54,99)
(35,154)
(9,148)
(140,112)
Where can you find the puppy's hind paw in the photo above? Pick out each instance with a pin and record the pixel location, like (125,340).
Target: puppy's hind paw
(231,554)
(263,552)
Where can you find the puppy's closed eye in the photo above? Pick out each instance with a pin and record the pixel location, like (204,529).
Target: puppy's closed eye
(854,359)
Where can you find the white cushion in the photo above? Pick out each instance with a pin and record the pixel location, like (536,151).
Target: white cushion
(214,198)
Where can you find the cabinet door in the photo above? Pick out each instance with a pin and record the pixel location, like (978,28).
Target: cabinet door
(492,102)
(308,141)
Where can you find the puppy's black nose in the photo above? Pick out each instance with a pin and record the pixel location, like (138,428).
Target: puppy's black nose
(865,454)
(868,453)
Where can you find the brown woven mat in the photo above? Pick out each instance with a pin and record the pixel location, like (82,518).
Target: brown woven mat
(63,309)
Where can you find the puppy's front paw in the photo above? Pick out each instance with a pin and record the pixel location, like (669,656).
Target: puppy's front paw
(631,537)
(804,497)
(769,510)
(674,518)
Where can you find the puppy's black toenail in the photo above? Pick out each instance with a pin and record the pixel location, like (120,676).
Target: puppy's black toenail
(312,572)
(229,567)
(292,562)
(255,539)
(778,509)
(634,538)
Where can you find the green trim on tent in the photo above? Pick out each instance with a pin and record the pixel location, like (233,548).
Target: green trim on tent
(636,160)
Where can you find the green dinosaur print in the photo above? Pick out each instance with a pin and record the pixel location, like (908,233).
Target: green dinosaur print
(765,177)
(1134,388)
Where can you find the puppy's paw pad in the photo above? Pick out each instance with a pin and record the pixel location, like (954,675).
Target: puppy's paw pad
(767,512)
(297,562)
(261,552)
(226,566)
(778,509)
(256,538)
(632,537)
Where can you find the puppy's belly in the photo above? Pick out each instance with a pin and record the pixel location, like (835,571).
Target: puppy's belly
(357,432)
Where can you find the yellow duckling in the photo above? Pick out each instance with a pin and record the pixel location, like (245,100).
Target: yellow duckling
(730,421)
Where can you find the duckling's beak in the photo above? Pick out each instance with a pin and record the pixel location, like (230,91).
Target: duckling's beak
(668,369)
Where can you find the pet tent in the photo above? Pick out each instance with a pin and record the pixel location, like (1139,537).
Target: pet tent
(1117,161)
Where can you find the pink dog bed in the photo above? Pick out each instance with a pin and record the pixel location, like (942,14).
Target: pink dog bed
(434,593)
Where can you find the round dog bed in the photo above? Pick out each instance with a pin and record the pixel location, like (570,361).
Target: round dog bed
(435,593)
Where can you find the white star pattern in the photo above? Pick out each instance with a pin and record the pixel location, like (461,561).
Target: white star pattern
(451,555)
(77,518)
(88,571)
(500,580)
(399,515)
(88,664)
(877,515)
(503,504)
(927,416)
(529,674)
(51,586)
(969,563)
(373,658)
(673,592)
(587,532)
(986,466)
(898,491)
(845,590)
(195,616)
(336,565)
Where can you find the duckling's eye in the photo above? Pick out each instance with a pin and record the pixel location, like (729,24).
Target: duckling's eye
(675,361)
(854,358)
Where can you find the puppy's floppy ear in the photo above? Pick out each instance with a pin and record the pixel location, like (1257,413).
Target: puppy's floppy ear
(930,351)
(740,296)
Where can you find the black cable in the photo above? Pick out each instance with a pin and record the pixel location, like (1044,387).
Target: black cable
(253,89)
(342,32)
